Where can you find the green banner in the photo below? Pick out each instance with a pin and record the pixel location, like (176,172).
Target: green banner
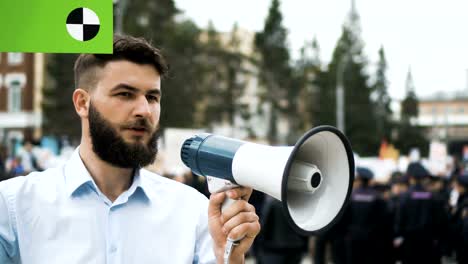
(56,26)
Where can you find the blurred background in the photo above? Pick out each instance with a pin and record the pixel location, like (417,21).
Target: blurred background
(393,76)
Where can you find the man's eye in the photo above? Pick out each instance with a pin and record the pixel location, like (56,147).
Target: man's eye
(152,98)
(124,94)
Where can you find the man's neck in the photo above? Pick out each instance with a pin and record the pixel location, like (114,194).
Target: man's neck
(111,180)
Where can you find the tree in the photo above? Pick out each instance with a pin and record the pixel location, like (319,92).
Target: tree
(349,64)
(213,87)
(382,99)
(410,135)
(153,20)
(181,90)
(60,118)
(409,106)
(310,77)
(179,42)
(275,71)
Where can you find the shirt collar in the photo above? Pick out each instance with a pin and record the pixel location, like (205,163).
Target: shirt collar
(76,175)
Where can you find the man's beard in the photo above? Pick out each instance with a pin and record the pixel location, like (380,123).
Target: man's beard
(112,148)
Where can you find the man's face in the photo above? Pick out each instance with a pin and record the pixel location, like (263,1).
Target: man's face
(124,114)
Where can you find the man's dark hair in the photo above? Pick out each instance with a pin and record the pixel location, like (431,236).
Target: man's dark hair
(136,50)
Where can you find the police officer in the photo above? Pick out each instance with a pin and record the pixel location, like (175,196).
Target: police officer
(367,217)
(419,220)
(459,219)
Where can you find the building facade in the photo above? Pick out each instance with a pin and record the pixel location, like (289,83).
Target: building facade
(21,81)
(445,116)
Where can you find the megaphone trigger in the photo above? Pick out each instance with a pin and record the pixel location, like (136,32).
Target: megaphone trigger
(216,185)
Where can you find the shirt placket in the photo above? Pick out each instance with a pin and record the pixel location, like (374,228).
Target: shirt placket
(113,250)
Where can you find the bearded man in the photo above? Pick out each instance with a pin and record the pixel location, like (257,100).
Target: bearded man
(101,206)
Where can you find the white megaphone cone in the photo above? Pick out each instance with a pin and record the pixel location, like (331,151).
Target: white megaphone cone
(313,179)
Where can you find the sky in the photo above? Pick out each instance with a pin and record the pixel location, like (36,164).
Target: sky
(428,36)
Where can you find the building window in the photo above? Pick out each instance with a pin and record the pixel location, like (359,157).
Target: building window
(15,58)
(14,97)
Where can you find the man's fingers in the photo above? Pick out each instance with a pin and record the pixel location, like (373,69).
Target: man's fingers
(236,208)
(216,200)
(245,231)
(244,217)
(240,193)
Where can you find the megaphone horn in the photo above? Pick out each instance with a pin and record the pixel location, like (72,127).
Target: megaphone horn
(312,179)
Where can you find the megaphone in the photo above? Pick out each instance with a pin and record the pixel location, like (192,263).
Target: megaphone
(312,179)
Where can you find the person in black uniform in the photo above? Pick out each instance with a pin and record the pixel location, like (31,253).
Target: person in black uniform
(419,220)
(278,243)
(399,187)
(333,241)
(368,213)
(441,195)
(459,219)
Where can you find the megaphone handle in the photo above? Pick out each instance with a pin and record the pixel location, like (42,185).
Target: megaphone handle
(227,202)
(216,185)
(230,243)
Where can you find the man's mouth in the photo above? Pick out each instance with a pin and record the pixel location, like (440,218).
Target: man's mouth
(138,130)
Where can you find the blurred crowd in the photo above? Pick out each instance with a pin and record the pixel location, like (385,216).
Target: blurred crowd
(23,157)
(415,217)
(21,163)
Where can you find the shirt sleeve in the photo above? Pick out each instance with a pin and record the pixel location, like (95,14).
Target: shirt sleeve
(204,251)
(8,241)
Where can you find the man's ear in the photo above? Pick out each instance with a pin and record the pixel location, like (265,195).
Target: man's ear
(81,102)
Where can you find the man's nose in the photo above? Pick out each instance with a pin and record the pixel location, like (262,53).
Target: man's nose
(142,107)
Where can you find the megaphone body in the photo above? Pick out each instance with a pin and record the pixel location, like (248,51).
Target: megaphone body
(313,179)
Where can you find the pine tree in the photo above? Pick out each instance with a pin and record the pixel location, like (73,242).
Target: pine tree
(409,106)
(410,135)
(60,118)
(181,90)
(382,99)
(311,77)
(153,20)
(275,71)
(349,64)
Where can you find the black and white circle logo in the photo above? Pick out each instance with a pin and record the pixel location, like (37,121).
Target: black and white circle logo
(83,24)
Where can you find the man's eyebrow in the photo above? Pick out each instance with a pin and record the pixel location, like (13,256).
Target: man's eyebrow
(156,92)
(133,89)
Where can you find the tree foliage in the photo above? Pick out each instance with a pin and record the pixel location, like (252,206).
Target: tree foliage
(59,113)
(311,78)
(349,63)
(382,99)
(223,65)
(179,42)
(410,135)
(275,71)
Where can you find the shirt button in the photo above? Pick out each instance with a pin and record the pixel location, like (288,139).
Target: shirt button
(113,248)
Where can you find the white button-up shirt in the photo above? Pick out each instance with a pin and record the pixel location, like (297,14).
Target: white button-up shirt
(60,216)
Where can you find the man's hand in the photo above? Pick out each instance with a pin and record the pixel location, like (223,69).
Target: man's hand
(237,221)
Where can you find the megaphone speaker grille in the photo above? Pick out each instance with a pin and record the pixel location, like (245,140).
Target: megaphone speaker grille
(315,181)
